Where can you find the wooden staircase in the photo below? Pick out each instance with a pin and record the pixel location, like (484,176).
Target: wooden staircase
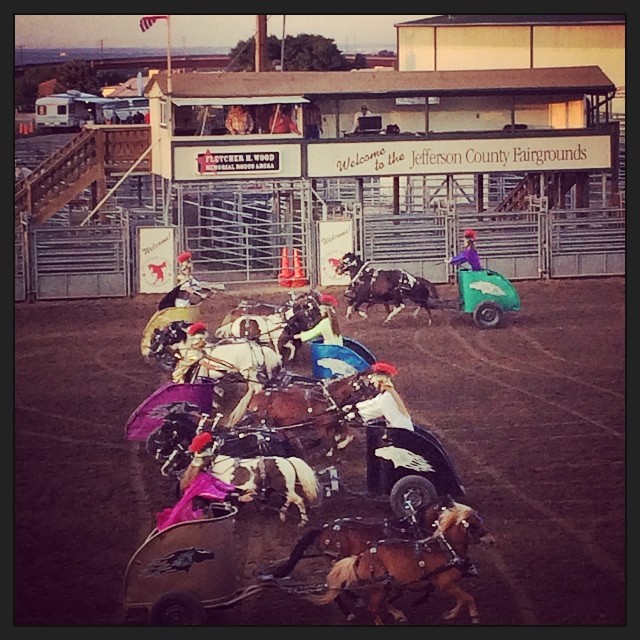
(85,161)
(553,185)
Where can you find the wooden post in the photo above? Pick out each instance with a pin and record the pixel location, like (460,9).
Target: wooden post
(261,43)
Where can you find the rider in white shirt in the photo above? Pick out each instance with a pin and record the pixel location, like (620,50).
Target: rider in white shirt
(387,404)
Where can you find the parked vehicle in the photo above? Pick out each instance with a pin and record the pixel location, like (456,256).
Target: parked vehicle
(64,111)
(72,110)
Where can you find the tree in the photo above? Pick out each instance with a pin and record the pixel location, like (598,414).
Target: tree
(26,87)
(304,52)
(359,61)
(79,75)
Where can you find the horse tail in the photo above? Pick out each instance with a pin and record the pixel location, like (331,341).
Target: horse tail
(342,576)
(284,569)
(307,478)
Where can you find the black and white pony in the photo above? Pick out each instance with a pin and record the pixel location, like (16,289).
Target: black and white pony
(391,287)
(271,325)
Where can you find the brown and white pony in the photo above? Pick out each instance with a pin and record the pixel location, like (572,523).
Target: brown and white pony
(265,476)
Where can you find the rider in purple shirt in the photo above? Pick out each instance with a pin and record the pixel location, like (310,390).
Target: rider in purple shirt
(469,253)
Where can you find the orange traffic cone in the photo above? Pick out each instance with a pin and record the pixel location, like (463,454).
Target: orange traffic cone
(299,277)
(286,273)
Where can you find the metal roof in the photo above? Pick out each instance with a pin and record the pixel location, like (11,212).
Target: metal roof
(370,84)
(500,19)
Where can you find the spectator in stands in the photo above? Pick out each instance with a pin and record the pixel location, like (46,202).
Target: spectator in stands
(282,120)
(239,121)
(312,121)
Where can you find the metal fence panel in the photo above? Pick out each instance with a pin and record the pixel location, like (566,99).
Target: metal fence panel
(19,268)
(81,262)
(587,243)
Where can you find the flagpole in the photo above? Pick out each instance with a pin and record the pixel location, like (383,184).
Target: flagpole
(169,88)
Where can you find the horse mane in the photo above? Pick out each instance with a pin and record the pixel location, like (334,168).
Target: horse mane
(452,515)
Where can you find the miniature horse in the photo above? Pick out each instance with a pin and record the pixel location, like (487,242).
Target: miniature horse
(390,287)
(273,326)
(351,536)
(290,478)
(390,567)
(292,401)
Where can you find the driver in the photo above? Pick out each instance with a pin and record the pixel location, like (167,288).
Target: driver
(468,254)
(188,283)
(387,403)
(328,326)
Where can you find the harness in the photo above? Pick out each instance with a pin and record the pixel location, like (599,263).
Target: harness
(290,381)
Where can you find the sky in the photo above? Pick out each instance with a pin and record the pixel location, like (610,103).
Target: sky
(349,32)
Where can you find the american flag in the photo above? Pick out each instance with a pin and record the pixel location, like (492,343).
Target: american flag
(146,22)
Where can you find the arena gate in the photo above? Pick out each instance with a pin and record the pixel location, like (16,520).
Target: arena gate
(237,230)
(63,261)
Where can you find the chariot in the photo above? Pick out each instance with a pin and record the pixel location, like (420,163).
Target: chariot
(487,295)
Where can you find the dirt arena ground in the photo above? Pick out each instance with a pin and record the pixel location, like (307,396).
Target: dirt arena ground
(532,414)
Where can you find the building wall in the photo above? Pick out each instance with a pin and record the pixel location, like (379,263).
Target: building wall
(450,48)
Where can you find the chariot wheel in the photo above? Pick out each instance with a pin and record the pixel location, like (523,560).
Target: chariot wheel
(178,609)
(410,493)
(487,315)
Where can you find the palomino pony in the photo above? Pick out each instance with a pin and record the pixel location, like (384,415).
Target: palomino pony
(390,567)
(273,326)
(390,287)
(351,536)
(264,476)
(290,401)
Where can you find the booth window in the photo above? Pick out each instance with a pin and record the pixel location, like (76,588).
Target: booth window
(163,113)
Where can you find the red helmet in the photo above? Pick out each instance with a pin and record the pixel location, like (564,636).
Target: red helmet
(384,367)
(196,327)
(200,441)
(184,256)
(470,233)
(326,298)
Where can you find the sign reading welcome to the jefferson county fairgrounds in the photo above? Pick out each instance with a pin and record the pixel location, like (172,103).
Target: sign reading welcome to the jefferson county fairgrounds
(156,259)
(335,239)
(420,157)
(237,161)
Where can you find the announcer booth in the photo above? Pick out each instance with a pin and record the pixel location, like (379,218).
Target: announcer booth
(517,156)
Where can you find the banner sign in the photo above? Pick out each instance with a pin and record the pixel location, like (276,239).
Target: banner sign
(335,239)
(237,161)
(156,259)
(386,158)
(266,161)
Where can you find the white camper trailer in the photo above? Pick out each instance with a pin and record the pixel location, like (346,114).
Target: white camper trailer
(66,111)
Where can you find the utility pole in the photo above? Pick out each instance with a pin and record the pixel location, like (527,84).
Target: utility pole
(261,43)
